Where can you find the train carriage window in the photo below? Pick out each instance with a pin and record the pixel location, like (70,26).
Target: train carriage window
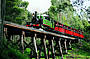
(79,31)
(47,18)
(60,25)
(69,28)
(52,21)
(64,26)
(41,17)
(28,23)
(75,31)
(38,17)
(57,24)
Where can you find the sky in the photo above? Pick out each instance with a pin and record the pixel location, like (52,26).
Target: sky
(85,5)
(79,6)
(42,6)
(38,5)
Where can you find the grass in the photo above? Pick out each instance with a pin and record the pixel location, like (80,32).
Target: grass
(75,55)
(79,51)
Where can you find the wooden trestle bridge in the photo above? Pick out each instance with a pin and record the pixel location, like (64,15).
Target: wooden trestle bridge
(50,50)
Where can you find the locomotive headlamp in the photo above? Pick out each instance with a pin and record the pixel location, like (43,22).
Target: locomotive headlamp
(33,14)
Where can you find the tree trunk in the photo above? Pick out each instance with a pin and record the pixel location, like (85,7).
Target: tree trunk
(2,17)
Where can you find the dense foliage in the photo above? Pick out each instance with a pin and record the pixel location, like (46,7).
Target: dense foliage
(16,11)
(10,51)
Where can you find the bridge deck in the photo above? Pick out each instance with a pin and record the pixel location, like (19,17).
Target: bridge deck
(30,29)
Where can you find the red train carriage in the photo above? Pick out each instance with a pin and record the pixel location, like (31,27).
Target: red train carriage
(59,27)
(67,30)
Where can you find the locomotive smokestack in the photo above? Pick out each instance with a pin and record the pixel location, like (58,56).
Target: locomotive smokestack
(35,14)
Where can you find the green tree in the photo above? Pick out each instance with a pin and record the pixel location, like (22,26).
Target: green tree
(16,11)
(59,9)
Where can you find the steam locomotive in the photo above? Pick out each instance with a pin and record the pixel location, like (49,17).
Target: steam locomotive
(44,22)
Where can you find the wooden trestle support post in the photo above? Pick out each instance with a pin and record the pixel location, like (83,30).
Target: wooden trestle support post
(65,43)
(45,48)
(22,40)
(8,35)
(53,50)
(35,45)
(49,51)
(5,32)
(60,47)
(70,44)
